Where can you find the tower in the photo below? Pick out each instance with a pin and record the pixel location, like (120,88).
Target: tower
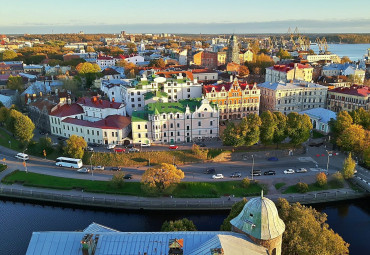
(260,221)
(232,54)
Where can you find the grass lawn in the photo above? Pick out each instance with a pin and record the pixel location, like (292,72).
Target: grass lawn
(5,138)
(3,167)
(279,185)
(314,187)
(186,189)
(316,134)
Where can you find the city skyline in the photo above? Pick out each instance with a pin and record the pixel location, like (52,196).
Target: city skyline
(173,17)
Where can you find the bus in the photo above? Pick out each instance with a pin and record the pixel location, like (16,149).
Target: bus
(69,162)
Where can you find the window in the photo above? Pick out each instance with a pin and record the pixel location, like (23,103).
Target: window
(199,123)
(164,126)
(139,135)
(211,123)
(116,134)
(88,132)
(164,134)
(171,133)
(178,125)
(113,134)
(97,132)
(171,125)
(138,126)
(178,133)
(178,116)
(92,132)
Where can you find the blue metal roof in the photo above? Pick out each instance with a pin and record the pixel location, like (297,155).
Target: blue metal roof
(324,115)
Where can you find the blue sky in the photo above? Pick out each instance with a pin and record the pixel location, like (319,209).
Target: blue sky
(184,16)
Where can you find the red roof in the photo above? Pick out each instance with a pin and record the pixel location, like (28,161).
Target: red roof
(355,90)
(109,71)
(66,110)
(98,103)
(105,58)
(120,56)
(287,67)
(202,71)
(227,86)
(168,74)
(110,122)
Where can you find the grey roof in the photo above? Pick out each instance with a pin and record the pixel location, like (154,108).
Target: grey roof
(195,242)
(324,115)
(287,85)
(260,219)
(95,227)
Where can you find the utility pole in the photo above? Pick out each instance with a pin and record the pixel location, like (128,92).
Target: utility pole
(252,166)
(327,164)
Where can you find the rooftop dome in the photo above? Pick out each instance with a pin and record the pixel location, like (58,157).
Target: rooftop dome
(260,219)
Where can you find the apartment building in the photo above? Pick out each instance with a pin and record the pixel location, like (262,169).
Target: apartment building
(348,98)
(288,72)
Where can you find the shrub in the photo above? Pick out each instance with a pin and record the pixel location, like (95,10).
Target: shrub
(338,178)
(178,225)
(118,179)
(321,179)
(302,187)
(246,182)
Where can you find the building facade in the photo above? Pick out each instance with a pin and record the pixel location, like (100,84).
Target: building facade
(348,98)
(288,72)
(183,121)
(232,54)
(320,118)
(235,100)
(289,97)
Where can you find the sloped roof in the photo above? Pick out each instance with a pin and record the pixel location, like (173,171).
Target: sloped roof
(66,110)
(355,90)
(288,85)
(98,103)
(110,122)
(227,86)
(287,67)
(95,227)
(109,71)
(324,115)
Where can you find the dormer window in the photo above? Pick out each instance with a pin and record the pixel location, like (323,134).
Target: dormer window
(251,215)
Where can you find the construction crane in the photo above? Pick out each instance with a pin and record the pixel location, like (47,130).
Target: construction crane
(324,44)
(319,44)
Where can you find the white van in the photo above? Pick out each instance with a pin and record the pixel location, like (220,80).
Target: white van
(22,156)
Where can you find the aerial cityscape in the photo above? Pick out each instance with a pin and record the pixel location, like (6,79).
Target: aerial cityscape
(168,128)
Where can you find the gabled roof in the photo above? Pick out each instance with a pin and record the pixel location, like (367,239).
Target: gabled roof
(287,67)
(66,110)
(109,71)
(110,122)
(355,90)
(227,86)
(98,103)
(324,115)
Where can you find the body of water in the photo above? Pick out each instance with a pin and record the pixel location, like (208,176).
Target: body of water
(353,51)
(350,219)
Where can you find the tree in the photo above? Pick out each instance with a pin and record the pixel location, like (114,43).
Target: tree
(4,114)
(349,166)
(235,210)
(9,55)
(338,178)
(90,49)
(131,69)
(280,132)
(243,71)
(161,177)
(46,144)
(178,225)
(252,134)
(321,179)
(159,63)
(86,67)
(361,117)
(15,82)
(246,182)
(283,54)
(306,231)
(75,146)
(343,121)
(72,85)
(230,136)
(21,126)
(345,59)
(302,187)
(354,138)
(268,127)
(299,127)
(118,179)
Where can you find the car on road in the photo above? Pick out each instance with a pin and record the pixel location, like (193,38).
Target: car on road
(236,175)
(173,147)
(145,145)
(119,150)
(217,176)
(98,167)
(83,170)
(89,149)
(301,170)
(22,156)
(133,150)
(273,159)
(269,172)
(201,144)
(289,171)
(111,146)
(60,138)
(115,168)
(256,172)
(210,171)
(127,177)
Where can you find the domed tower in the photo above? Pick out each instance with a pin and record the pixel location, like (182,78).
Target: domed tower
(260,221)
(232,53)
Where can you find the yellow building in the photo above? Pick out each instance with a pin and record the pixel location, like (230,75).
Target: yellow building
(246,56)
(221,58)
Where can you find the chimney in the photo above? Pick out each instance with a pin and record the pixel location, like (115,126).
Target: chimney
(113,99)
(89,244)
(101,101)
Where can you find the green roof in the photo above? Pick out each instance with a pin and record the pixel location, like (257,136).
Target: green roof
(150,94)
(179,106)
(138,116)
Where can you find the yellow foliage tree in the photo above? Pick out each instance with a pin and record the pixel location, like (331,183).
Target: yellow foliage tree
(87,67)
(162,176)
(321,179)
(75,146)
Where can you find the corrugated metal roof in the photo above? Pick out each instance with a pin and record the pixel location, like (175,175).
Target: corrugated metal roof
(95,227)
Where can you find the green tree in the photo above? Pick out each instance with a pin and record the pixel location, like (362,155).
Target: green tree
(9,55)
(46,144)
(72,85)
(75,146)
(252,135)
(354,138)
(302,187)
(178,225)
(299,127)
(268,127)
(343,121)
(230,136)
(246,182)
(349,166)
(361,117)
(306,231)
(4,115)
(366,156)
(321,179)
(118,179)
(16,83)
(86,67)
(162,177)
(21,126)
(280,133)
(235,210)
(283,54)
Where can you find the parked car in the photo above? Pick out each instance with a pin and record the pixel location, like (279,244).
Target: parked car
(133,150)
(256,172)
(210,171)
(98,167)
(127,176)
(60,138)
(236,175)
(22,156)
(173,147)
(217,176)
(270,172)
(129,145)
(273,159)
(301,170)
(200,144)
(289,171)
(119,150)
(111,146)
(83,170)
(145,145)
(89,149)
(115,168)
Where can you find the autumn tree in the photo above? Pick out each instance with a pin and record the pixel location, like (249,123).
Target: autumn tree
(306,231)
(90,49)
(268,127)
(283,54)
(178,225)
(353,138)
(8,55)
(86,67)
(75,146)
(158,63)
(321,179)
(21,125)
(361,117)
(131,70)
(338,178)
(15,82)
(299,127)
(243,71)
(4,114)
(343,121)
(301,187)
(161,177)
(118,179)
(349,166)
(345,59)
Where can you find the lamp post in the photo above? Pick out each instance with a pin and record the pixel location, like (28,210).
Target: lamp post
(24,162)
(327,164)
(252,166)
(92,172)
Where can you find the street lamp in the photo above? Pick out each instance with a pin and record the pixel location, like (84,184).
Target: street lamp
(252,166)
(327,164)
(92,172)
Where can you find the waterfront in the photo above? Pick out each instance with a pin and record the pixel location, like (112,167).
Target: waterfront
(353,51)
(351,219)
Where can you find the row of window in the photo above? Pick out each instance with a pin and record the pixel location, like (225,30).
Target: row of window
(156,127)
(172,134)
(252,108)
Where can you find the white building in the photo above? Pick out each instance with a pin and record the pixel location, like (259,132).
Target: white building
(328,57)
(178,122)
(320,118)
(288,72)
(105,61)
(183,57)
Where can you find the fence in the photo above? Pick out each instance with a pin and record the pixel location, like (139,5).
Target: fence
(168,204)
